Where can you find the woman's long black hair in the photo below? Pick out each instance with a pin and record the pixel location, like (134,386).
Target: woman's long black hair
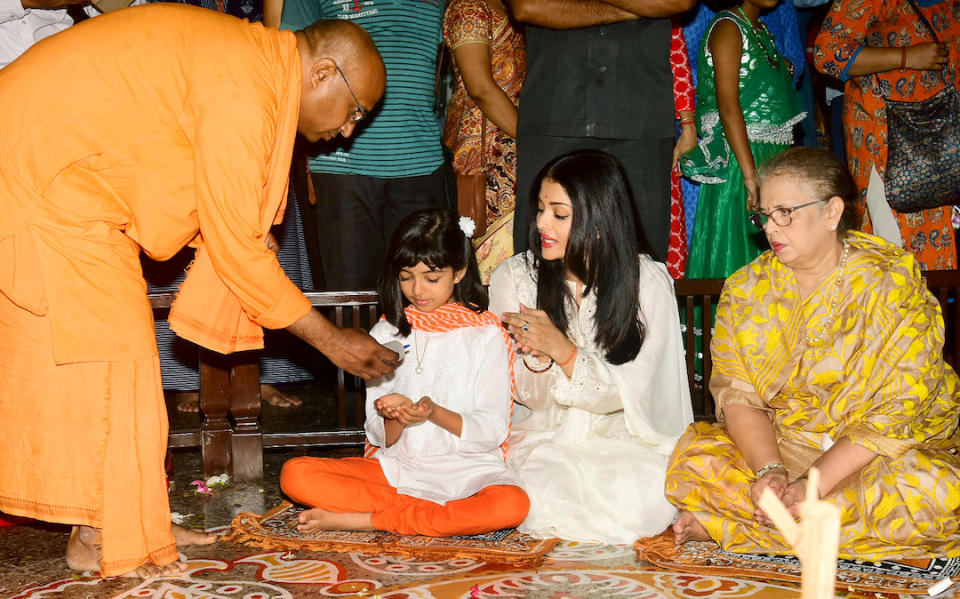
(432,236)
(602,251)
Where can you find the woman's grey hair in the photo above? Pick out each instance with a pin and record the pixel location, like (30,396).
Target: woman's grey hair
(822,176)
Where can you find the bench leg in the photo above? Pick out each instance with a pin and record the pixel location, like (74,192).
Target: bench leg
(214,404)
(247,440)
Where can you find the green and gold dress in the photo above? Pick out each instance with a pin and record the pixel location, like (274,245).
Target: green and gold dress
(723,239)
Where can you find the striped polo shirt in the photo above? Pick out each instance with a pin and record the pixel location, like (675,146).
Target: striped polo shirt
(401,137)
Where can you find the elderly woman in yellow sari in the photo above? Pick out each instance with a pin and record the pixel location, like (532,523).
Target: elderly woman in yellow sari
(827,353)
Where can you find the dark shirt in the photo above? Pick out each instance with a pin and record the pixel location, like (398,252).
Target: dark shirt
(610,81)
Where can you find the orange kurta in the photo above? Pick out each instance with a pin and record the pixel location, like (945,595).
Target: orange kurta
(149,128)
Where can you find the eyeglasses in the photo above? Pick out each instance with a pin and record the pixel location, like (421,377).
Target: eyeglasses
(781,216)
(361,113)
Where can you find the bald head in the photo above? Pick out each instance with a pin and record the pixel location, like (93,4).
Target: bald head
(345,42)
(343,78)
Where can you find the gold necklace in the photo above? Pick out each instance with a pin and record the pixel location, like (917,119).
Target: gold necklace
(759,31)
(834,300)
(416,347)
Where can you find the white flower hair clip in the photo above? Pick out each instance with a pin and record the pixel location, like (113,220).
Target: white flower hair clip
(467,226)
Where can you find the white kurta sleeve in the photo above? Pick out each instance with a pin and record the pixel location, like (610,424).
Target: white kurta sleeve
(382,331)
(486,425)
(533,389)
(592,387)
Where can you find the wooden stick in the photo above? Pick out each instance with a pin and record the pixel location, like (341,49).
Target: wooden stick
(814,541)
(776,511)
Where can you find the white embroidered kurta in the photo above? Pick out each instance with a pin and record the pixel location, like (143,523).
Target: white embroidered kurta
(22,27)
(465,370)
(592,450)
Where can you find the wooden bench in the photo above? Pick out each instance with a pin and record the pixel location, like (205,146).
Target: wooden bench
(705,293)
(231,438)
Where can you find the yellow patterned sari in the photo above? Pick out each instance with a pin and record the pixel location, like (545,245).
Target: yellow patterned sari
(877,377)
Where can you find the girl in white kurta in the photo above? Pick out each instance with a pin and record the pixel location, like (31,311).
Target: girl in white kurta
(601,411)
(440,421)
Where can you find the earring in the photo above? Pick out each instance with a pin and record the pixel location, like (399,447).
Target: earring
(832,227)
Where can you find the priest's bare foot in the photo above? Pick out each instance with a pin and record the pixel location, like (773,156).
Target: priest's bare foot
(318,519)
(83,549)
(189,401)
(688,528)
(188,536)
(153,571)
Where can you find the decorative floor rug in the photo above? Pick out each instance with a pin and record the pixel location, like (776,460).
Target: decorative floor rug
(570,571)
(277,529)
(578,571)
(907,577)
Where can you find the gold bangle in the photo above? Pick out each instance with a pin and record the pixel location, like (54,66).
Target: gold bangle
(569,359)
(769,468)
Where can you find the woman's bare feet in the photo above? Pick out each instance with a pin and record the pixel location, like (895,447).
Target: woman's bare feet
(188,536)
(189,401)
(688,528)
(318,519)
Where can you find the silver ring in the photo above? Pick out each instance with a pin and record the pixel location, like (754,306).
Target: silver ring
(525,327)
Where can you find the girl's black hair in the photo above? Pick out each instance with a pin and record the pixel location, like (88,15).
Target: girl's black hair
(432,236)
(602,251)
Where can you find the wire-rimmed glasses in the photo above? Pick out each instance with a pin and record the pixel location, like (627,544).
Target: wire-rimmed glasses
(360,113)
(781,216)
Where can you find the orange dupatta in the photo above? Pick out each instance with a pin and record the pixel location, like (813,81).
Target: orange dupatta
(449,317)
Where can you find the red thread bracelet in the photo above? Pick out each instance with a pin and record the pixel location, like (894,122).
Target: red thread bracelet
(569,359)
(903,58)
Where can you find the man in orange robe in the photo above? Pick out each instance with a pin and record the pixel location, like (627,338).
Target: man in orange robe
(149,128)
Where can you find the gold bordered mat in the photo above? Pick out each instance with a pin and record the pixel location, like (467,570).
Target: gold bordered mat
(277,529)
(906,577)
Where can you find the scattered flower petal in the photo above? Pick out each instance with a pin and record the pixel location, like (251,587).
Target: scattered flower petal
(220,480)
(201,487)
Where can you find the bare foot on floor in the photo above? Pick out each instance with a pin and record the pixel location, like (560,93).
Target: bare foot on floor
(318,519)
(189,401)
(83,549)
(688,528)
(153,571)
(275,397)
(83,555)
(189,536)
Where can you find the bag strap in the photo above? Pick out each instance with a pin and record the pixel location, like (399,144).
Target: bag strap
(920,14)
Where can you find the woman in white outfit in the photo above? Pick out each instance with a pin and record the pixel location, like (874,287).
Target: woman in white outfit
(600,371)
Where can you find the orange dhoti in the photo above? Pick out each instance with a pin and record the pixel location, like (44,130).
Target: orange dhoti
(358,485)
(110,426)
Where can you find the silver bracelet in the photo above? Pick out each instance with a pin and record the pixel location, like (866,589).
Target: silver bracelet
(771,466)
